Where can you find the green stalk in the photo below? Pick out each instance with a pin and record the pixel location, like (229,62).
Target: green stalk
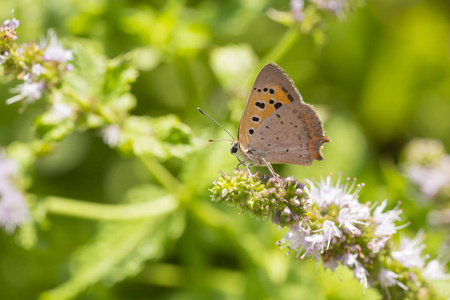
(166,179)
(283,46)
(109,212)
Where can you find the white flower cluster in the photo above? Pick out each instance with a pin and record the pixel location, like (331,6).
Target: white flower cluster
(298,6)
(342,230)
(13,207)
(428,166)
(33,84)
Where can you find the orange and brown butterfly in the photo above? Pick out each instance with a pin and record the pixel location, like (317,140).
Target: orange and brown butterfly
(277,126)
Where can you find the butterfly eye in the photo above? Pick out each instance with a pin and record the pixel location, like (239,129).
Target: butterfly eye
(234,148)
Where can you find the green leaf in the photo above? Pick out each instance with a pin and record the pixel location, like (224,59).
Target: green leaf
(119,249)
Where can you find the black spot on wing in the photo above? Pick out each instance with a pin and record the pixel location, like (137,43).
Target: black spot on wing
(251,131)
(290,97)
(260,104)
(278,105)
(255,119)
(271,101)
(272,91)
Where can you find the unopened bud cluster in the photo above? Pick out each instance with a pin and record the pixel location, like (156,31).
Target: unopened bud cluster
(281,200)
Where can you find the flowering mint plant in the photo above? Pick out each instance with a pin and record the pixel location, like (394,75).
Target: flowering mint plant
(333,227)
(77,89)
(39,67)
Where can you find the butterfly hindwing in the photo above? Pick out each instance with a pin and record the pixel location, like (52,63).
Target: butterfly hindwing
(292,135)
(272,89)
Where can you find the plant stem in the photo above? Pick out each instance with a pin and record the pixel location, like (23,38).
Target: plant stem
(283,46)
(167,180)
(109,212)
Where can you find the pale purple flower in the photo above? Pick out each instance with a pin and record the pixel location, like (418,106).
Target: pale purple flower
(361,274)
(324,193)
(388,278)
(11,24)
(8,168)
(337,6)
(297,7)
(299,239)
(431,178)
(384,221)
(37,69)
(330,264)
(347,218)
(313,245)
(349,259)
(409,254)
(13,207)
(435,270)
(111,135)
(30,91)
(57,53)
(329,230)
(62,111)
(376,244)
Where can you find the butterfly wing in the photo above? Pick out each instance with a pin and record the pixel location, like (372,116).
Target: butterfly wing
(272,89)
(291,135)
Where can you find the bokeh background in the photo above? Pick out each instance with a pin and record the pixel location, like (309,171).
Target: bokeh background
(379,77)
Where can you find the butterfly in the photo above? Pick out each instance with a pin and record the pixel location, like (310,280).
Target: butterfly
(277,127)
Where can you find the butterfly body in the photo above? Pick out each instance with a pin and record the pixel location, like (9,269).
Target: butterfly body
(277,126)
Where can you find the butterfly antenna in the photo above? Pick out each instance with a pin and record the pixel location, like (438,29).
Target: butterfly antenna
(202,112)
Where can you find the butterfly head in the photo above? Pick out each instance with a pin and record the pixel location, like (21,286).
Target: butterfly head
(236,150)
(234,147)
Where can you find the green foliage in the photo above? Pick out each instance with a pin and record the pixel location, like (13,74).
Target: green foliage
(131,217)
(163,137)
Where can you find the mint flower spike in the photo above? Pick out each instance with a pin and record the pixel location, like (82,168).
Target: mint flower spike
(13,207)
(341,230)
(282,200)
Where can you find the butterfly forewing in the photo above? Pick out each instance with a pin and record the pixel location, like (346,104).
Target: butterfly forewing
(272,89)
(277,126)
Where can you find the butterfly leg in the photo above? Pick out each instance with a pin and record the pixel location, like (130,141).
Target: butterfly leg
(237,166)
(246,166)
(269,166)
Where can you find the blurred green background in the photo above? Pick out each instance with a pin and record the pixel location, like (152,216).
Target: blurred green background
(379,78)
